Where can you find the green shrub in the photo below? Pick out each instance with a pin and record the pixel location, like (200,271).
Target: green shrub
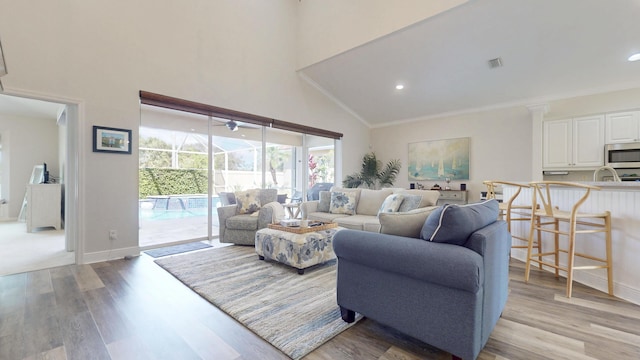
(155,181)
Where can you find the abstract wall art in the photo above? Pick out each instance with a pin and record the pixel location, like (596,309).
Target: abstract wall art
(439,159)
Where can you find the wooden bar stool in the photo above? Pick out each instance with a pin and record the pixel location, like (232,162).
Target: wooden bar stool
(547,218)
(511,212)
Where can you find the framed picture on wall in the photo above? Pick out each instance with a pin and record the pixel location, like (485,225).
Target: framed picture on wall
(106,139)
(439,160)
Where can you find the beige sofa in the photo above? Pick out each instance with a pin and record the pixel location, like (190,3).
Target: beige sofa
(367,205)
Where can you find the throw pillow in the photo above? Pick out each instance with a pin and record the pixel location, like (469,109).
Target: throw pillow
(391,204)
(343,202)
(370,201)
(325,201)
(410,202)
(248,201)
(454,224)
(406,224)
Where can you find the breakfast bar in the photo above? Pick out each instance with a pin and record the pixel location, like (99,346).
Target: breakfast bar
(622,199)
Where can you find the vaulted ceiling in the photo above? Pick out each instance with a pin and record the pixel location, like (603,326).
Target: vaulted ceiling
(550,49)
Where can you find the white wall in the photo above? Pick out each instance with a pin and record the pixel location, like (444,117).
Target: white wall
(501,140)
(27,142)
(330,27)
(232,54)
(594,104)
(500,145)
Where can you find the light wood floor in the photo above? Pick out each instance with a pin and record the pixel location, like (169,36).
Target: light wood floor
(132,309)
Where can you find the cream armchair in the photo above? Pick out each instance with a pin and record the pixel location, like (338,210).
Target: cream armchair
(240,228)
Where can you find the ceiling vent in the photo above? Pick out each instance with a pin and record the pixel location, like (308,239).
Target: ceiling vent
(495,63)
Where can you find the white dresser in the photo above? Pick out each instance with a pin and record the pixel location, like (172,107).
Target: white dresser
(458,197)
(43,206)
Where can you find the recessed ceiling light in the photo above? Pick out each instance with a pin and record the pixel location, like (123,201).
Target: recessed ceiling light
(634,57)
(399,87)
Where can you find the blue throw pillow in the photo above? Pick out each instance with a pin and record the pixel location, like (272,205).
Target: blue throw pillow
(454,224)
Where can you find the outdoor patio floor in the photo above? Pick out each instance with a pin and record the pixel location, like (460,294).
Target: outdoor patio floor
(157,233)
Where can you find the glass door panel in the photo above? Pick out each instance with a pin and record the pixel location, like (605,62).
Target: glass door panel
(173,177)
(284,164)
(321,165)
(236,156)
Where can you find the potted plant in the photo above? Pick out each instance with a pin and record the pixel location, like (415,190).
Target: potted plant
(373,174)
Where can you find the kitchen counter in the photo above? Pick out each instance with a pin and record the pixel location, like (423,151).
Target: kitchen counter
(626,185)
(622,199)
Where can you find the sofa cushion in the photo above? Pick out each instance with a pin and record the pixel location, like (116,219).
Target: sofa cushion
(358,222)
(325,201)
(371,200)
(410,202)
(248,201)
(242,222)
(355,190)
(391,204)
(325,216)
(455,223)
(429,197)
(343,202)
(408,223)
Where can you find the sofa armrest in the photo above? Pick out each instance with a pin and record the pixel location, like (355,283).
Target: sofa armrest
(308,207)
(493,242)
(225,212)
(444,264)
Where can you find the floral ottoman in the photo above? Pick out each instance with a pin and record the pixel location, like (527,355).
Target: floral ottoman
(298,250)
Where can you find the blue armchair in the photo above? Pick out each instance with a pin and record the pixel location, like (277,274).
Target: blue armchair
(449,295)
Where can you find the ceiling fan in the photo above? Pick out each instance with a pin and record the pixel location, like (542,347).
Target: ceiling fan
(232,125)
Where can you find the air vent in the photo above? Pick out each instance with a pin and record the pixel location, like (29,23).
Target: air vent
(495,63)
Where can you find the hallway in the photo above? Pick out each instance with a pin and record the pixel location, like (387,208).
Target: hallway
(22,251)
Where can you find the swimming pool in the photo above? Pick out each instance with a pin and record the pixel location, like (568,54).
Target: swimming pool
(162,214)
(175,207)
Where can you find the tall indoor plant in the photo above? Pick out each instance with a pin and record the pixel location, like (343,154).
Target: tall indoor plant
(373,175)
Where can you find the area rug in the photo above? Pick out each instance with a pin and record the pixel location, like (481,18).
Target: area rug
(295,313)
(177,249)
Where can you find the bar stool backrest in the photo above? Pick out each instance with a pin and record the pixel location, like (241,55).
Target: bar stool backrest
(542,195)
(493,184)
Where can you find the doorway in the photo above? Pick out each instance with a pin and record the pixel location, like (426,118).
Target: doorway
(27,123)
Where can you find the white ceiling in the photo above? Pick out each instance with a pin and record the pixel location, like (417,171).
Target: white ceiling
(17,106)
(550,49)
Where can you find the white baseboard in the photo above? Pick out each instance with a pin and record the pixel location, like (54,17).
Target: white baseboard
(94,257)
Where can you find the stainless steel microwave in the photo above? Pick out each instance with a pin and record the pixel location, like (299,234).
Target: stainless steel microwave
(622,156)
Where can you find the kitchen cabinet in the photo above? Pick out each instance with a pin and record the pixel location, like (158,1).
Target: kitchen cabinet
(44,202)
(622,127)
(573,143)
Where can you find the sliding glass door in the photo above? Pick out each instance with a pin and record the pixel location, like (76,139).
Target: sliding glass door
(188,156)
(321,165)
(173,177)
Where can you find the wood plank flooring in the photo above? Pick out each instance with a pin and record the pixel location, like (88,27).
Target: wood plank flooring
(132,309)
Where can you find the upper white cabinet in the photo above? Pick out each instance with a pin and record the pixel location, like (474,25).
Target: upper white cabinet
(573,143)
(623,127)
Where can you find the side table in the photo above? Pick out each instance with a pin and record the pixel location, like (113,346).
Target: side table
(292,209)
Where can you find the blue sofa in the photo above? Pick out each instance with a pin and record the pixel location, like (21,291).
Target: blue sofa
(449,294)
